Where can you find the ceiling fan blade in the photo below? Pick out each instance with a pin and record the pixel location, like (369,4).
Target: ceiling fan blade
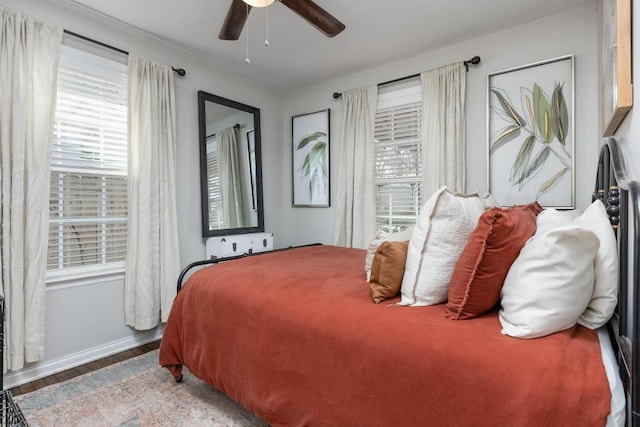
(234,22)
(316,16)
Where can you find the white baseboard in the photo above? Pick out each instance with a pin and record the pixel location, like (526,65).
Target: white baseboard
(43,369)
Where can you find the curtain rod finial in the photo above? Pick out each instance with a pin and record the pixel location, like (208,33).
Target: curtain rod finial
(179,71)
(473,61)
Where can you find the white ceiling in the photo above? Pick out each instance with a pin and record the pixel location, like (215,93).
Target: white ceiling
(377,32)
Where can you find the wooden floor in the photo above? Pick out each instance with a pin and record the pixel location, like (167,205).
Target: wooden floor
(83,369)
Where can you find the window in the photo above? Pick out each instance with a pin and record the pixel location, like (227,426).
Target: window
(213,186)
(398,155)
(88,201)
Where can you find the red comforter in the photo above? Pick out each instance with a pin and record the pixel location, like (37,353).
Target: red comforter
(295,338)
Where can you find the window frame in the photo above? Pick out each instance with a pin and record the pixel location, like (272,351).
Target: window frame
(104,267)
(401,137)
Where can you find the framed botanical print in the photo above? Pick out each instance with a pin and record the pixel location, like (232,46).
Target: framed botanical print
(310,154)
(616,91)
(530,132)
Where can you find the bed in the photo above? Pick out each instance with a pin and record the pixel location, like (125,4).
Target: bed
(294,337)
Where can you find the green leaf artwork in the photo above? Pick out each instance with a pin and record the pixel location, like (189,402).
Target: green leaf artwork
(544,123)
(314,165)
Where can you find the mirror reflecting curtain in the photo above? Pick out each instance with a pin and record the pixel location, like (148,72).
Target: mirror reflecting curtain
(230,166)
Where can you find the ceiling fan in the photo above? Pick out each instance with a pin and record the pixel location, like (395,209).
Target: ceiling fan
(307,9)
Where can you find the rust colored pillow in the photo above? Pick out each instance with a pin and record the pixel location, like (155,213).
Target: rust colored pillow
(387,270)
(485,260)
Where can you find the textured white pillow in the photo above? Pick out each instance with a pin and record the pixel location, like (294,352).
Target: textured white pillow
(443,228)
(381,237)
(549,285)
(605,291)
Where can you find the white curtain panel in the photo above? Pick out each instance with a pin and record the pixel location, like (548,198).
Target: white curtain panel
(153,259)
(356,213)
(443,129)
(29,52)
(230,179)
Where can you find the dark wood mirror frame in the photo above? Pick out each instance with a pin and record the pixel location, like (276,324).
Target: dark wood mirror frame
(203,98)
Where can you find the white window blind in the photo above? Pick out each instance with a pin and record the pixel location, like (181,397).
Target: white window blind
(88,200)
(398,155)
(213,187)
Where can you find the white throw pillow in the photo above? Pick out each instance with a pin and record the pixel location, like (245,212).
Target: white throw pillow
(443,228)
(550,284)
(381,237)
(605,291)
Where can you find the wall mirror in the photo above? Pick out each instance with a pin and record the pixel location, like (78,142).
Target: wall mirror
(230,166)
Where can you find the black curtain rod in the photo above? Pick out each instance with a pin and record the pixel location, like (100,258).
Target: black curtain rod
(473,61)
(179,71)
(236,127)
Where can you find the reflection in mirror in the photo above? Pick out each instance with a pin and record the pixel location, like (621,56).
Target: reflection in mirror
(230,166)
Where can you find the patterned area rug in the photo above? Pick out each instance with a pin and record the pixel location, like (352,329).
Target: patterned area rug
(132,393)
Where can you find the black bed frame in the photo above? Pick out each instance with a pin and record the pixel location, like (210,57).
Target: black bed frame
(216,260)
(621,196)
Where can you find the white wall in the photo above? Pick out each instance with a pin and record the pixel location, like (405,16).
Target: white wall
(85,321)
(571,32)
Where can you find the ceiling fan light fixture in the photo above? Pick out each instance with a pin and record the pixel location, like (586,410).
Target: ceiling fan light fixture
(259,3)
(308,10)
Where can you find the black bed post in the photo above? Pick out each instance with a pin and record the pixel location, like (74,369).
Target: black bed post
(634,190)
(623,207)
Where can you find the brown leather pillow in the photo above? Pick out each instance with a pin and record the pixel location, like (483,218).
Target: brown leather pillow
(387,270)
(485,260)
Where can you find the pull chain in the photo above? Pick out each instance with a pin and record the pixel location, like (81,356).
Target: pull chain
(247,59)
(266,40)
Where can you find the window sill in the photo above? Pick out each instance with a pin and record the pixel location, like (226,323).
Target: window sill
(81,276)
